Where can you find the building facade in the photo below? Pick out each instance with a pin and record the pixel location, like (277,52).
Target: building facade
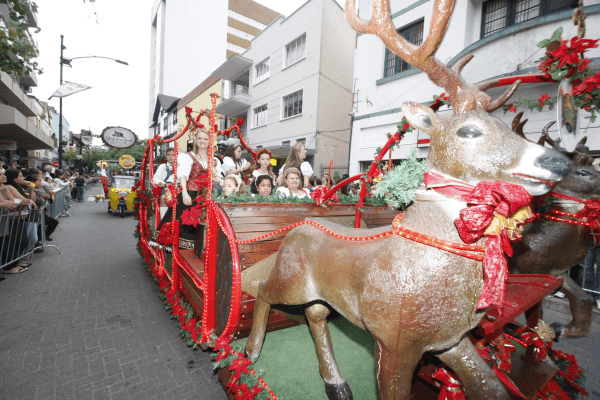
(294,85)
(190,38)
(501,34)
(22,131)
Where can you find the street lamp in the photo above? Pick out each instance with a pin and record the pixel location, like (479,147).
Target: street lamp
(67,61)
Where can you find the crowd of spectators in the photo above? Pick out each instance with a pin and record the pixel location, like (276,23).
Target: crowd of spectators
(24,194)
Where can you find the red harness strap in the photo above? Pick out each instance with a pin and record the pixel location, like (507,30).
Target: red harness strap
(591,212)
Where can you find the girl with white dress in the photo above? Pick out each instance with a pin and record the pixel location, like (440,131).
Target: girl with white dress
(233,163)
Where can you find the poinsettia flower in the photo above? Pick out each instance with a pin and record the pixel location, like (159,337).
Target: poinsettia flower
(543,98)
(244,393)
(512,108)
(240,121)
(565,54)
(232,386)
(239,365)
(588,85)
(188,218)
(545,64)
(582,45)
(188,110)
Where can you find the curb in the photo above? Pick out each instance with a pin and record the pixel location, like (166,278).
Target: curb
(562,306)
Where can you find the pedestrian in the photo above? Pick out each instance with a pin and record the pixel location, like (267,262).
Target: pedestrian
(588,278)
(164,177)
(80,187)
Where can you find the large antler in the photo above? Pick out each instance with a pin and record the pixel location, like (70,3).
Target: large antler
(462,95)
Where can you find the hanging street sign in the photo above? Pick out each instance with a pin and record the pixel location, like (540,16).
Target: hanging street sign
(126,161)
(118,137)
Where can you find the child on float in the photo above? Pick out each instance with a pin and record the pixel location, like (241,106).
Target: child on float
(296,159)
(292,186)
(233,163)
(263,158)
(263,185)
(164,177)
(233,184)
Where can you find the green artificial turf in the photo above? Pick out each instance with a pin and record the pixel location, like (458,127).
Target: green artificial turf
(288,361)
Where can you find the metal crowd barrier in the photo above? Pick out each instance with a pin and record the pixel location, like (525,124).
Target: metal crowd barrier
(61,204)
(19,234)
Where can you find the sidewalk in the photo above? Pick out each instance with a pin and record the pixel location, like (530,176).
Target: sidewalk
(88,323)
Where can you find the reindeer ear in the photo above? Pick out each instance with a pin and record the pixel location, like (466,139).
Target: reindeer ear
(420,116)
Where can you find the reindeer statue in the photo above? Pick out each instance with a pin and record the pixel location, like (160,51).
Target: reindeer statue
(553,247)
(410,296)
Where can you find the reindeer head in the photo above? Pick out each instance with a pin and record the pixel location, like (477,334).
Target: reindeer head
(583,180)
(470,144)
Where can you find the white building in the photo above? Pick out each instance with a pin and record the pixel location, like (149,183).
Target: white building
(501,34)
(190,38)
(294,84)
(164,119)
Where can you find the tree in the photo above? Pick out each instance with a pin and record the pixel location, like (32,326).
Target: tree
(17,51)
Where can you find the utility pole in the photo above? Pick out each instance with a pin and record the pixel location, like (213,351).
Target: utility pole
(60,118)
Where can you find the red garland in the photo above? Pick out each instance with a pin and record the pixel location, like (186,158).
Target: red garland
(451,389)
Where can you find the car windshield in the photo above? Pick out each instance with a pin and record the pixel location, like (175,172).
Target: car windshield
(122,182)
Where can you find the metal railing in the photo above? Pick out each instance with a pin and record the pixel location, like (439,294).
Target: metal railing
(19,234)
(238,90)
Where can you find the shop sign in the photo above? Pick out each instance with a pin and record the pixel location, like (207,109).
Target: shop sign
(126,161)
(118,137)
(8,145)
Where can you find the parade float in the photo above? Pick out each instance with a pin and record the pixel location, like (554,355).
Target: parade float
(427,290)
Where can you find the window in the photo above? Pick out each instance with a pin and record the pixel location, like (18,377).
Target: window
(260,116)
(165,123)
(499,14)
(262,71)
(175,117)
(292,104)
(286,143)
(295,51)
(394,64)
(301,141)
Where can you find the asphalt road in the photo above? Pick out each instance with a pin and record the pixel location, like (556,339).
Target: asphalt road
(88,323)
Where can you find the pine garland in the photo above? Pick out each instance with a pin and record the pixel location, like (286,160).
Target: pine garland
(398,187)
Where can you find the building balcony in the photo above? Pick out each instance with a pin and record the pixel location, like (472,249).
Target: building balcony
(28,79)
(12,94)
(234,102)
(15,126)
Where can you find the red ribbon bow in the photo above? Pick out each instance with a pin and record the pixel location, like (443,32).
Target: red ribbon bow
(591,211)
(484,200)
(451,389)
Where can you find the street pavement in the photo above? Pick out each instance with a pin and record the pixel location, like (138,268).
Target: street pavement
(88,323)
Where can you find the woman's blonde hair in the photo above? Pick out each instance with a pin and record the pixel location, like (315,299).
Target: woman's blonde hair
(288,171)
(241,187)
(293,159)
(195,135)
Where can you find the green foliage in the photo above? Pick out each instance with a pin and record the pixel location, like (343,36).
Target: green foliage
(398,188)
(555,36)
(17,50)
(101,153)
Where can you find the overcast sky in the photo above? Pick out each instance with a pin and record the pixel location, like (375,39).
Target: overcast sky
(112,28)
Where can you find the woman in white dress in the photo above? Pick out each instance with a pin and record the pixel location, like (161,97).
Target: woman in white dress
(292,186)
(296,159)
(233,163)
(192,166)
(264,165)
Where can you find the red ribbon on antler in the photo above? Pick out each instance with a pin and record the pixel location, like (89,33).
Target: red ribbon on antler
(451,389)
(591,211)
(496,210)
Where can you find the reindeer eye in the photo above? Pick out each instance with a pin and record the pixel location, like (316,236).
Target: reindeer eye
(469,132)
(582,172)
(425,119)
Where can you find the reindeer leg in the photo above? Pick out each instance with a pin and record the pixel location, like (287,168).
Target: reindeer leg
(259,324)
(581,310)
(336,386)
(478,380)
(395,369)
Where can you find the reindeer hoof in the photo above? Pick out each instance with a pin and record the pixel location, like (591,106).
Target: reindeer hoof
(340,391)
(558,328)
(248,356)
